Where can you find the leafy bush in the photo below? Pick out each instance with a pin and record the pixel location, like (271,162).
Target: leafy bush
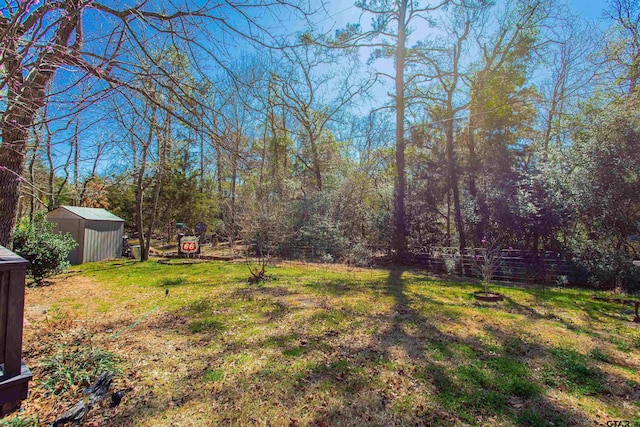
(608,270)
(318,237)
(358,254)
(46,251)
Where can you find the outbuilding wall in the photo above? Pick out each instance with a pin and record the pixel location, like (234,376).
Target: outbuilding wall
(75,227)
(102,240)
(97,239)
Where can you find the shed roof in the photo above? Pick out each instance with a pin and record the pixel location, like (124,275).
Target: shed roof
(94,214)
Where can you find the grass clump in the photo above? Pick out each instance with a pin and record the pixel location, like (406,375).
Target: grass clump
(207,324)
(70,369)
(17,421)
(168,282)
(599,355)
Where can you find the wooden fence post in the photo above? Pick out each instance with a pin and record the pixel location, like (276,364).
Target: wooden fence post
(15,375)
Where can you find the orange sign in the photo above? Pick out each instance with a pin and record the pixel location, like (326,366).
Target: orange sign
(189,244)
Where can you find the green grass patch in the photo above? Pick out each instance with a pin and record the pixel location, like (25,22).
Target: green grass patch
(294,352)
(207,324)
(168,282)
(575,372)
(336,346)
(598,354)
(213,375)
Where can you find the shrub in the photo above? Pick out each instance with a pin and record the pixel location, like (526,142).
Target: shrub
(358,254)
(610,269)
(318,237)
(46,251)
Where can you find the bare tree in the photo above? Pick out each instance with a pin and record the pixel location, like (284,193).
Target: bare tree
(622,52)
(301,90)
(38,39)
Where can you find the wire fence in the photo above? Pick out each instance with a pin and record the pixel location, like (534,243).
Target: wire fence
(511,265)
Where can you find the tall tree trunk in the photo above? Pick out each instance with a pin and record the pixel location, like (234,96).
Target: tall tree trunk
(144,255)
(453,177)
(474,168)
(219,169)
(162,154)
(400,233)
(448,218)
(12,152)
(144,252)
(32,176)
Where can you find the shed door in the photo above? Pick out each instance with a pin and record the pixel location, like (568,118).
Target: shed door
(102,240)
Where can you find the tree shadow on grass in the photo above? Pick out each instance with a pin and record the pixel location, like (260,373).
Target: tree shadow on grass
(397,368)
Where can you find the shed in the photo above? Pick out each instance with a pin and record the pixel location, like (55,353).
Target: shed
(97,232)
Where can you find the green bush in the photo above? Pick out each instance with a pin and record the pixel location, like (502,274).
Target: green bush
(46,251)
(609,269)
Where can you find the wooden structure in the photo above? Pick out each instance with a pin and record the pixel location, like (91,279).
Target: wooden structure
(15,376)
(97,232)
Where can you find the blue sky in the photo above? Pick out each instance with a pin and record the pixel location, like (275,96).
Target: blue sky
(591,9)
(343,12)
(338,13)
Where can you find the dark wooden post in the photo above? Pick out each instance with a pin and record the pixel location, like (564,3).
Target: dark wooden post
(15,375)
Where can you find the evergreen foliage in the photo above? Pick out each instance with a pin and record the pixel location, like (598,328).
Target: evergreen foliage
(46,251)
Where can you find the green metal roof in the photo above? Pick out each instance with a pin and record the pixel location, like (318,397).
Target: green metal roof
(94,214)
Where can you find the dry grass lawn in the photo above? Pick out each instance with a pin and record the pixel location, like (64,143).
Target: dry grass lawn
(323,345)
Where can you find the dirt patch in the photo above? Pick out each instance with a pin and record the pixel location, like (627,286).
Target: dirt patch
(301,301)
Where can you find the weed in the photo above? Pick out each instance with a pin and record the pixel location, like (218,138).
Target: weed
(516,347)
(525,388)
(72,368)
(532,418)
(294,352)
(599,355)
(20,422)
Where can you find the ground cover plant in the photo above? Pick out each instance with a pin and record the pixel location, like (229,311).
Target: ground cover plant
(325,345)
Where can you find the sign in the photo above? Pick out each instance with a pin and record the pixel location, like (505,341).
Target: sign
(189,244)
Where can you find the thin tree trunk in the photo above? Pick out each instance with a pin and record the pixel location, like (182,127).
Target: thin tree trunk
(144,255)
(316,161)
(144,252)
(162,151)
(219,169)
(76,161)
